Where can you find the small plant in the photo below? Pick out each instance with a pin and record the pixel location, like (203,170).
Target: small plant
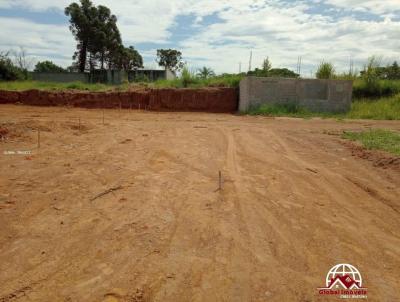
(325,70)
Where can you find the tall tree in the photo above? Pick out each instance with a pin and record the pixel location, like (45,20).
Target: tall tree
(82,17)
(107,38)
(170,58)
(99,40)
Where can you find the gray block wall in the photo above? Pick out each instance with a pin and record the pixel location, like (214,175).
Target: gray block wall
(60,77)
(314,95)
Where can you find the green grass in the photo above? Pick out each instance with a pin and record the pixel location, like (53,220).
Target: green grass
(291,110)
(27,85)
(377,139)
(192,82)
(381,88)
(383,109)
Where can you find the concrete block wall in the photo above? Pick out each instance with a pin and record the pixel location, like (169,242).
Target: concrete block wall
(60,77)
(314,95)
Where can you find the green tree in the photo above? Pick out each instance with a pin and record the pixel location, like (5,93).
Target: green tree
(266,67)
(107,40)
(82,19)
(205,73)
(130,58)
(325,70)
(48,66)
(170,58)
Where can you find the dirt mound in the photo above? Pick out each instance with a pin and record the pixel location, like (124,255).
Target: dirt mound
(201,100)
(378,158)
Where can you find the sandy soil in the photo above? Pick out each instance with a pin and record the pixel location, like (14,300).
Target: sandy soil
(294,203)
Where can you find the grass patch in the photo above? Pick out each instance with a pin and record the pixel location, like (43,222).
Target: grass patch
(383,109)
(380,88)
(377,139)
(28,85)
(190,82)
(288,109)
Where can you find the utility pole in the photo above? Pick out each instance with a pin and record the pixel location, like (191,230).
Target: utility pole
(351,68)
(251,58)
(240,67)
(299,59)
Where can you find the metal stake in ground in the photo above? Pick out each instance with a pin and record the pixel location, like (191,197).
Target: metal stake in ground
(38,137)
(220,181)
(103,111)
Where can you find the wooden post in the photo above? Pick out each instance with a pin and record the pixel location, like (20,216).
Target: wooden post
(38,142)
(79,125)
(220,180)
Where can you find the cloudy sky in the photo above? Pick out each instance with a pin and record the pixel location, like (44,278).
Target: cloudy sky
(220,33)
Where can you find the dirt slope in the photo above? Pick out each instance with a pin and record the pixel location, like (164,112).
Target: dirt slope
(294,203)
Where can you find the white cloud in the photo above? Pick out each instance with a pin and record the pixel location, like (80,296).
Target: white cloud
(275,28)
(373,6)
(40,40)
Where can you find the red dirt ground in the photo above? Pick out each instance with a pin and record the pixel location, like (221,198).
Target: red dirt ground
(295,201)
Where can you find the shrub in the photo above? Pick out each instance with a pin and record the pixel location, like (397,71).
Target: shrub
(8,71)
(325,70)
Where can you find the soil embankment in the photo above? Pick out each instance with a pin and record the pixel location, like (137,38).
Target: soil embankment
(218,100)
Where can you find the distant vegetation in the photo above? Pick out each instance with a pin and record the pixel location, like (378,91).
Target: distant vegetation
(48,66)
(266,70)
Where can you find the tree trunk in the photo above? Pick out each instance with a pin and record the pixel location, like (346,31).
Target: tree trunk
(82,56)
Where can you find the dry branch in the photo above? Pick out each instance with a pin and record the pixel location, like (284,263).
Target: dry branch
(106,192)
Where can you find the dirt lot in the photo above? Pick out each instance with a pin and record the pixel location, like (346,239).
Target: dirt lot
(295,201)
